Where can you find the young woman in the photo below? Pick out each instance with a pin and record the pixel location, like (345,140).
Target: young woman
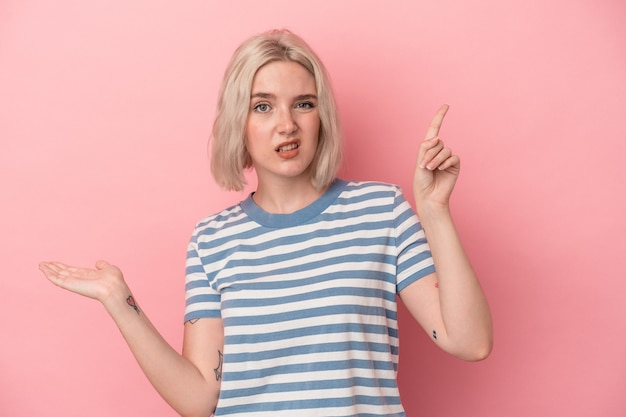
(291,294)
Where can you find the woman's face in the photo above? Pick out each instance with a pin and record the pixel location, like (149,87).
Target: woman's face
(282,127)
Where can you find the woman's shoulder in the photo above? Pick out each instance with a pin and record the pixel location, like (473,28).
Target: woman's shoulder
(217,221)
(370,194)
(371,187)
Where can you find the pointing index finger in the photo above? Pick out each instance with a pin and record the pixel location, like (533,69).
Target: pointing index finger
(435,124)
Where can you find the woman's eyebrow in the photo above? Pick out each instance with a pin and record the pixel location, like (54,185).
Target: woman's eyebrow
(306,97)
(298,97)
(262,95)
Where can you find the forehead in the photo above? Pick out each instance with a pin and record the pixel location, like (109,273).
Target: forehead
(283,77)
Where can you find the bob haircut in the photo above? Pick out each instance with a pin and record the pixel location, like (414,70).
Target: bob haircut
(229,156)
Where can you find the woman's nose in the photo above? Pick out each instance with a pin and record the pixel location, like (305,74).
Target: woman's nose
(287,123)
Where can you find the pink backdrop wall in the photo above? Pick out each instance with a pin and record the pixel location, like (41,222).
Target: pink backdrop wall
(105,109)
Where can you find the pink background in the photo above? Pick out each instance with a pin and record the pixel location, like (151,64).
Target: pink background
(105,110)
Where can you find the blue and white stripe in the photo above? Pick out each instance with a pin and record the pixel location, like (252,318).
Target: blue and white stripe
(308,300)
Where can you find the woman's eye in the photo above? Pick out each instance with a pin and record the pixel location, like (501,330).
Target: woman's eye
(262,107)
(305,105)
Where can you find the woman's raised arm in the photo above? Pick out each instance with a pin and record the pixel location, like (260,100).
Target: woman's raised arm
(449,304)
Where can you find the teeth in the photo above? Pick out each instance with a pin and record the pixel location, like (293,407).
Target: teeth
(289,147)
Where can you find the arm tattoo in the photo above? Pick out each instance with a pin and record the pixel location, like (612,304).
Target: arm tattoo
(192,321)
(131,302)
(218,370)
(435,334)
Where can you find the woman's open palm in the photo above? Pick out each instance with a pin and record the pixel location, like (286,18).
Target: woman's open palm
(93,283)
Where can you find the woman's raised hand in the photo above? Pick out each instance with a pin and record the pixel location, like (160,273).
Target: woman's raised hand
(437,169)
(96,283)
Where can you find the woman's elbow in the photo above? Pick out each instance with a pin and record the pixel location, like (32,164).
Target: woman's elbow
(471,350)
(477,351)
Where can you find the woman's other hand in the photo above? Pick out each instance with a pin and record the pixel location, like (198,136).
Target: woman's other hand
(436,169)
(98,283)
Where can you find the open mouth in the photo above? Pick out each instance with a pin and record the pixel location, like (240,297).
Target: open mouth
(288,147)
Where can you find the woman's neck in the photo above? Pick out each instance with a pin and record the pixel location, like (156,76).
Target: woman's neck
(284,197)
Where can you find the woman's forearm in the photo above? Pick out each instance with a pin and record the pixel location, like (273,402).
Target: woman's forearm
(464,308)
(176,379)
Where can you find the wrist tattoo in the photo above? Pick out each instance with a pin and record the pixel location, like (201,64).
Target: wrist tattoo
(131,302)
(218,370)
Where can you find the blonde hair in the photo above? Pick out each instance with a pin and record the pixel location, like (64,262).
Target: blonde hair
(229,157)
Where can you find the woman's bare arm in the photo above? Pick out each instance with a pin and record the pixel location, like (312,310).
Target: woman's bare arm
(187,382)
(449,304)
